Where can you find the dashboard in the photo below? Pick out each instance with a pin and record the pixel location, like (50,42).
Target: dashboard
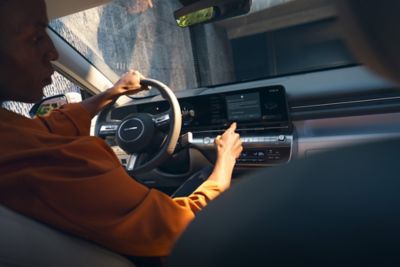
(261,114)
(263,106)
(363,114)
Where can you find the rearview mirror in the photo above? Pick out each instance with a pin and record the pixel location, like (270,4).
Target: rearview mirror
(210,11)
(47,104)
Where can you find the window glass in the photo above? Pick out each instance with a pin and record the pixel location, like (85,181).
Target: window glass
(142,35)
(130,34)
(303,48)
(60,85)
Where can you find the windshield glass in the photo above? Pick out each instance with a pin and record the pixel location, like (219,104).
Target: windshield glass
(277,37)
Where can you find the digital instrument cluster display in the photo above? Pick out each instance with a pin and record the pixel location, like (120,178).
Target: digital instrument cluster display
(259,106)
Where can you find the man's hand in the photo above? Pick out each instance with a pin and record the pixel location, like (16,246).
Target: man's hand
(228,146)
(128,84)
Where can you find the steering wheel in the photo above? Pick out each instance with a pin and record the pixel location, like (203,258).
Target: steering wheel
(139,133)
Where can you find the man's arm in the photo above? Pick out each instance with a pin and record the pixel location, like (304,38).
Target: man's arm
(228,146)
(128,84)
(72,120)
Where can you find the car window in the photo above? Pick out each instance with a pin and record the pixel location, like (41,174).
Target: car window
(143,35)
(127,35)
(60,85)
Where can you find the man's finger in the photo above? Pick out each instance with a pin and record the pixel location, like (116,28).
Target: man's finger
(232,128)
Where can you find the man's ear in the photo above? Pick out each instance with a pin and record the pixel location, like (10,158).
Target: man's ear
(371,28)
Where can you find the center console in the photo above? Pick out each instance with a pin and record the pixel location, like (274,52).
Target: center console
(262,118)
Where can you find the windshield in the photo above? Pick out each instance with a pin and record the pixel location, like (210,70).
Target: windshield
(272,40)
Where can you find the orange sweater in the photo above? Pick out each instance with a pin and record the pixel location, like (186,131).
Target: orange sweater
(53,171)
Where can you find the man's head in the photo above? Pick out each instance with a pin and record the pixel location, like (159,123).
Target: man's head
(25,50)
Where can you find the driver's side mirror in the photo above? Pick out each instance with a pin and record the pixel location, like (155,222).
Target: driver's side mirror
(47,104)
(210,11)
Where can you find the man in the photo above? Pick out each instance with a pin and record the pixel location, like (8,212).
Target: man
(53,171)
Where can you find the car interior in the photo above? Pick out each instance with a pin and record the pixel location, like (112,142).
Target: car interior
(293,74)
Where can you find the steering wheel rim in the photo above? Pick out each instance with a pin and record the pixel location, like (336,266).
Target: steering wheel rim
(175,125)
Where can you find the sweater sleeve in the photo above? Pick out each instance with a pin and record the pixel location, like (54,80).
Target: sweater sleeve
(69,120)
(206,192)
(117,212)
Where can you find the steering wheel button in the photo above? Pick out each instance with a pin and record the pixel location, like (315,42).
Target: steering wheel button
(207,140)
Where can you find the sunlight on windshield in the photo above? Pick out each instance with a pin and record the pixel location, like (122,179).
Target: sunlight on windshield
(143,35)
(126,36)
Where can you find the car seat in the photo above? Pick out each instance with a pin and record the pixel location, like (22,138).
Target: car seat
(25,242)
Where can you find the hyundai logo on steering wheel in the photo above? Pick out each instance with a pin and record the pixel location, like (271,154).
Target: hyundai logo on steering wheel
(131,128)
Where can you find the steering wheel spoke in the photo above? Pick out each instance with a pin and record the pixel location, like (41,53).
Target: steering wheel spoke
(108,128)
(130,164)
(161,120)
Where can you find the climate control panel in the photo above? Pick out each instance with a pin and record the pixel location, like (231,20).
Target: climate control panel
(258,150)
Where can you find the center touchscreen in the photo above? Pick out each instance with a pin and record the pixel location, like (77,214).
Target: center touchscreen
(243,107)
